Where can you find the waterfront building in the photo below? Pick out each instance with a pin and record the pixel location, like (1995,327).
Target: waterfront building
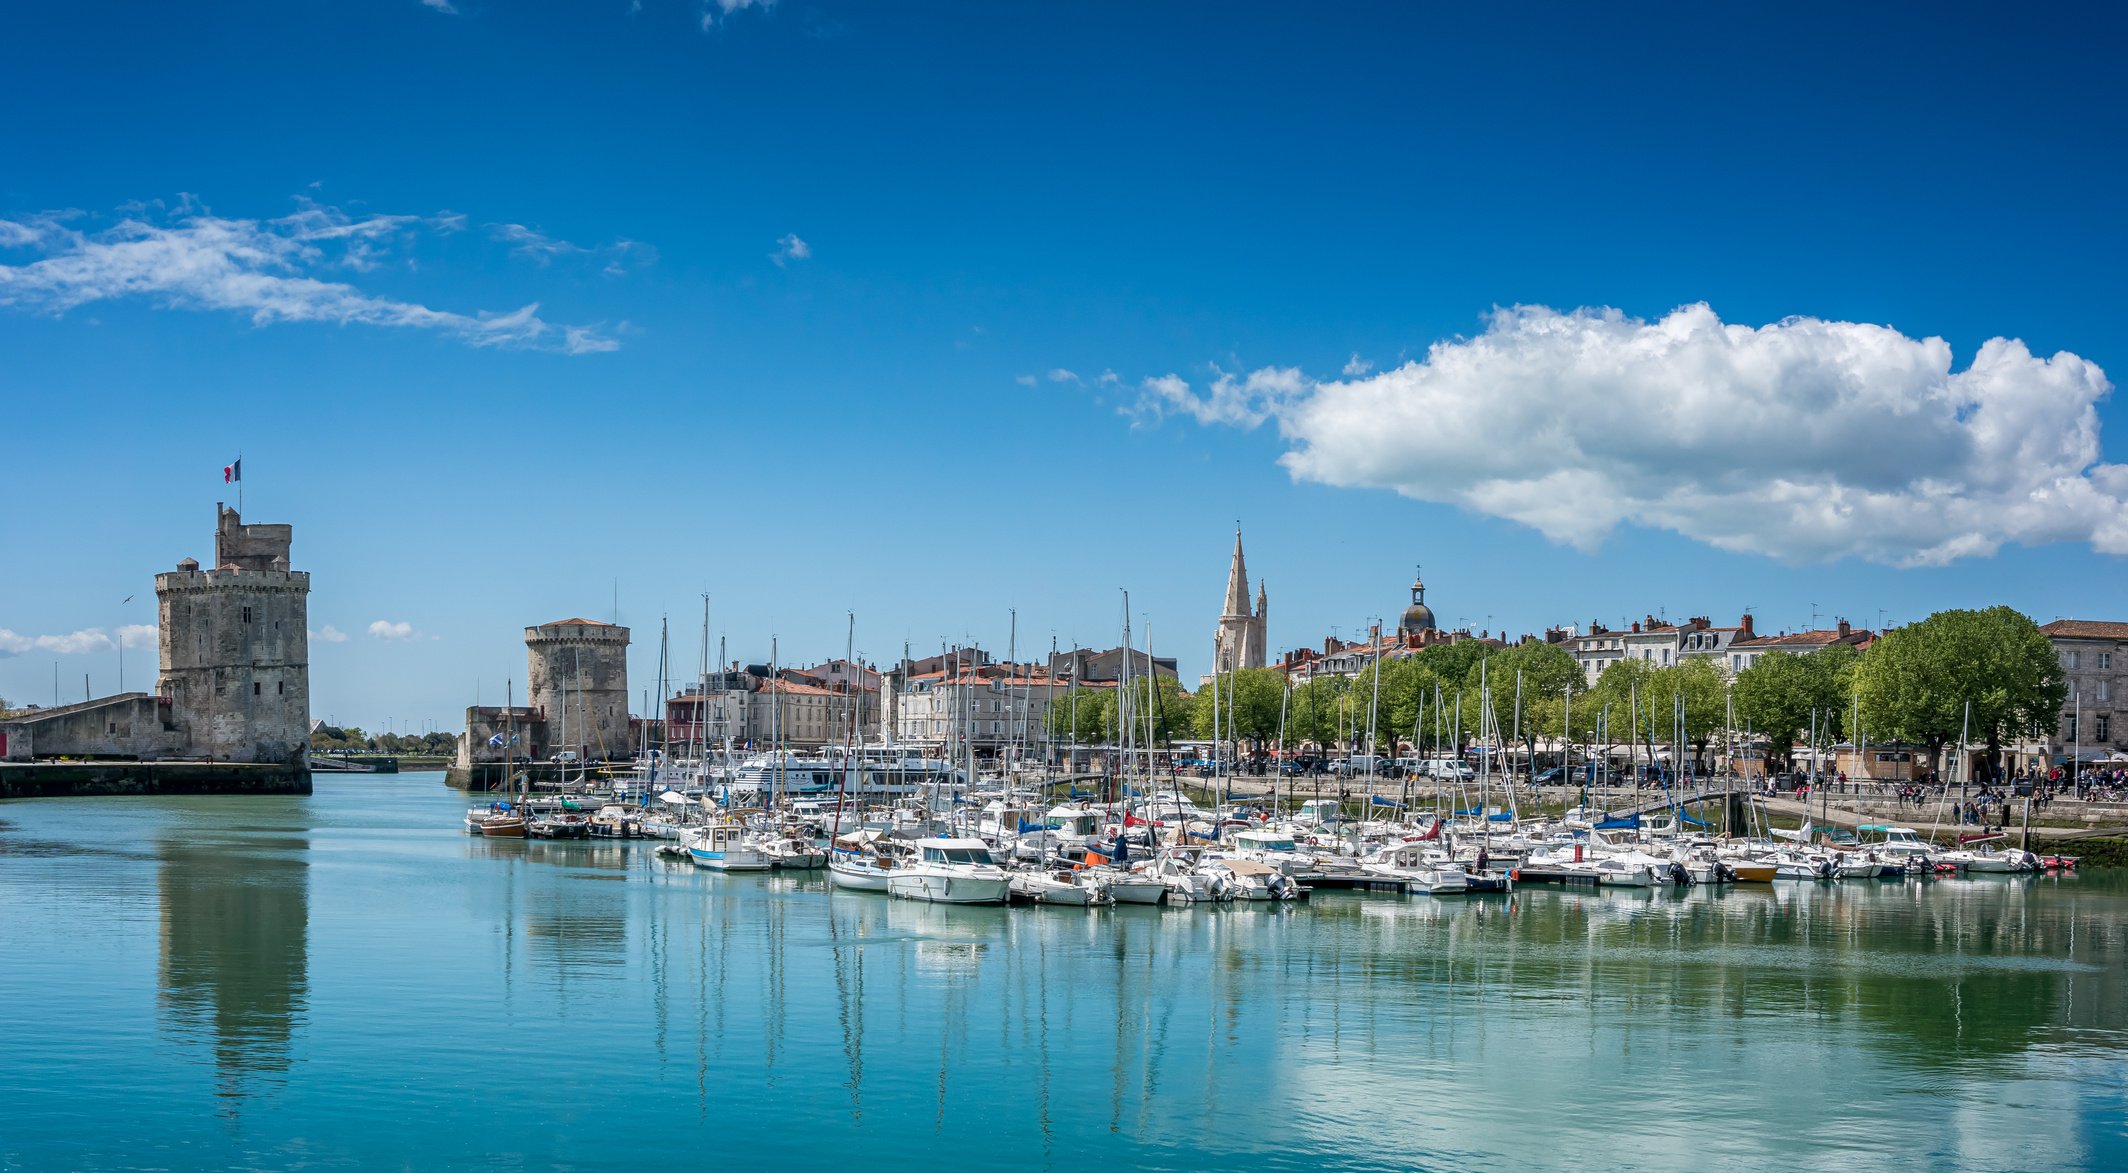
(750,709)
(1745,650)
(234,680)
(2094,661)
(995,708)
(1089,668)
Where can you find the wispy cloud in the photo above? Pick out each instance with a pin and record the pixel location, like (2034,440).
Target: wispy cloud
(1357,366)
(266,268)
(714,11)
(1804,440)
(387,629)
(86,641)
(440,6)
(538,246)
(1025,380)
(790,248)
(1060,375)
(329,634)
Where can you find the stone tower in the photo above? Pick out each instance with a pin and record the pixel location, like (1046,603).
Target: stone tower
(578,681)
(1239,641)
(236,647)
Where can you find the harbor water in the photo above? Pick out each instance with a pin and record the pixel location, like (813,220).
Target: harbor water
(349,980)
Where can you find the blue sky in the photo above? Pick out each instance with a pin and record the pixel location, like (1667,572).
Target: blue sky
(308,232)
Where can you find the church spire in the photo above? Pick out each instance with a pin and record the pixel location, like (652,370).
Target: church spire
(1237,603)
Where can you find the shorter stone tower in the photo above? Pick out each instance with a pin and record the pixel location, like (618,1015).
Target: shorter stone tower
(236,647)
(578,681)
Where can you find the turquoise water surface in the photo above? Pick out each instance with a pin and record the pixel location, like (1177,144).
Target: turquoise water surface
(350,980)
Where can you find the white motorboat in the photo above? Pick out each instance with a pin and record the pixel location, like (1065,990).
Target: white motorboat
(863,860)
(1055,886)
(1124,886)
(1252,879)
(1275,848)
(788,851)
(951,871)
(726,847)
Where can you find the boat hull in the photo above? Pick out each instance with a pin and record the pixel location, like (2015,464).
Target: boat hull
(938,889)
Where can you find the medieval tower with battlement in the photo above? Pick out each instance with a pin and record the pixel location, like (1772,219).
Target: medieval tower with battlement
(236,647)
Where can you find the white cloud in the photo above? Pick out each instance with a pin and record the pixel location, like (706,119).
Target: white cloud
(1356,365)
(789,248)
(87,641)
(329,634)
(261,267)
(1243,402)
(714,9)
(386,629)
(1060,375)
(440,6)
(1804,440)
(1024,380)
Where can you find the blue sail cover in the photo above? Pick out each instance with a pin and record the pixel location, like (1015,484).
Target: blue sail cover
(1378,800)
(1027,827)
(1502,817)
(1629,823)
(1689,821)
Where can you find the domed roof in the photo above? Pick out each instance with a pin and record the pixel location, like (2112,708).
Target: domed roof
(1418,617)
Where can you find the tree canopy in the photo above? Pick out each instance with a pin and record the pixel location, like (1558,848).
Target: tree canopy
(1918,682)
(1777,695)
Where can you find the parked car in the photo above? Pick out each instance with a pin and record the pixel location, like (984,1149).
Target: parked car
(1555,776)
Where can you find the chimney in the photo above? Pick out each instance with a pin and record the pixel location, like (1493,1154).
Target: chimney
(1843,629)
(1746,624)
(1636,628)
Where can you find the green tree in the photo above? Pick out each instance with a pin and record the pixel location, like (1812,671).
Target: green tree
(1247,703)
(1918,683)
(1078,715)
(1777,694)
(1314,712)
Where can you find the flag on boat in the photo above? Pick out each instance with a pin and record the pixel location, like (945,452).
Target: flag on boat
(1130,820)
(233,471)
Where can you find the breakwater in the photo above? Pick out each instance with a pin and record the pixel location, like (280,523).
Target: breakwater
(85,779)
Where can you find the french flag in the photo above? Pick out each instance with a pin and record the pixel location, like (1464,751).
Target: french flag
(233,471)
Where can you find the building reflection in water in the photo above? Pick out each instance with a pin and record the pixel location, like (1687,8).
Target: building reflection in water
(234,938)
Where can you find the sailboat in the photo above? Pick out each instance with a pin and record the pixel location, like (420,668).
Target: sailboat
(506,820)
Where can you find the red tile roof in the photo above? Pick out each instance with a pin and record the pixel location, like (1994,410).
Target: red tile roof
(2085,629)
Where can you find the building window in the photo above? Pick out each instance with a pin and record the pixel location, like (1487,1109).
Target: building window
(2104,727)
(2073,658)
(280,688)
(2105,689)
(247,614)
(2069,729)
(255,688)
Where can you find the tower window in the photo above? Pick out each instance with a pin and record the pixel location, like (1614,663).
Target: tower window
(247,614)
(254,688)
(280,688)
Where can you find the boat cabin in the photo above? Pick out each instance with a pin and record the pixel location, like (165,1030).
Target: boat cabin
(964,851)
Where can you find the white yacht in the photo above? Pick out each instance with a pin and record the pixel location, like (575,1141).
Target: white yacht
(951,871)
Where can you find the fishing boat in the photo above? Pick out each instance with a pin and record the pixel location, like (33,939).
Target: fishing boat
(724,846)
(790,852)
(951,871)
(502,820)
